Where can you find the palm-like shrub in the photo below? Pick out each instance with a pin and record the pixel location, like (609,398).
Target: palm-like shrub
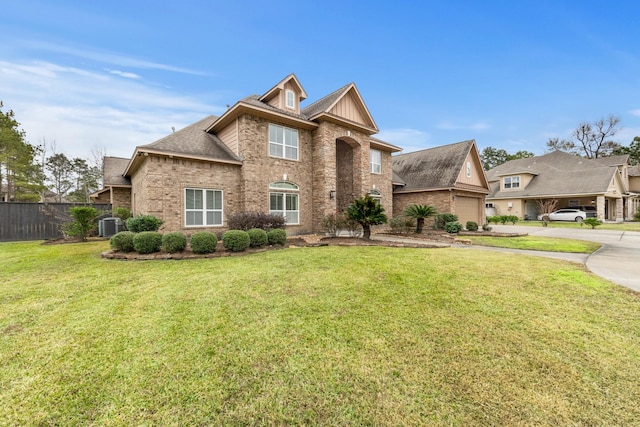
(367,211)
(420,213)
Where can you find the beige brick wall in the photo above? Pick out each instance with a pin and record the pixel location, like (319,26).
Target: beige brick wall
(441,200)
(120,197)
(259,169)
(158,184)
(159,189)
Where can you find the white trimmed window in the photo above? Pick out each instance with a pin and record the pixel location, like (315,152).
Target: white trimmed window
(290,100)
(376,195)
(202,207)
(512,182)
(283,142)
(375,158)
(284,200)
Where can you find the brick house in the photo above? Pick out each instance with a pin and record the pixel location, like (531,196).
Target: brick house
(449,177)
(267,153)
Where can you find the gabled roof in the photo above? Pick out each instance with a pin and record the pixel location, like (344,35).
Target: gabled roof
(433,168)
(622,159)
(634,170)
(556,173)
(190,142)
(291,78)
(325,107)
(113,168)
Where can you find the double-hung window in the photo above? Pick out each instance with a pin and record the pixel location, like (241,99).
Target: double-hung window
(290,100)
(202,207)
(284,200)
(375,158)
(512,182)
(283,142)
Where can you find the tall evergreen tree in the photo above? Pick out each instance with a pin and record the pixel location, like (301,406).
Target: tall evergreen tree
(21,176)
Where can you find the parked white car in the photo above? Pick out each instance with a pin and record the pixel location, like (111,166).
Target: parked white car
(567,214)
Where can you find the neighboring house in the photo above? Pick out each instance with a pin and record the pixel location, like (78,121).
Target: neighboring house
(267,153)
(449,177)
(605,183)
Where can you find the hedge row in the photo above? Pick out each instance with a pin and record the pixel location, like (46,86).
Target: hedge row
(204,242)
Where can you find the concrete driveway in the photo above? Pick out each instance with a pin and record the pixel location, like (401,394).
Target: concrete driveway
(618,260)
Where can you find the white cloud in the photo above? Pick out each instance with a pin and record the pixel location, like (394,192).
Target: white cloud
(635,112)
(407,139)
(107,57)
(125,74)
(82,109)
(476,126)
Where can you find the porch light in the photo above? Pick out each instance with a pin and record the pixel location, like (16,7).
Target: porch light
(332,194)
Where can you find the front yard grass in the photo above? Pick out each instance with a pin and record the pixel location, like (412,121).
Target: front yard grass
(536,243)
(308,336)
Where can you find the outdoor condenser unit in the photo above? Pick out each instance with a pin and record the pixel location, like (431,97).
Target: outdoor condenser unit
(108,227)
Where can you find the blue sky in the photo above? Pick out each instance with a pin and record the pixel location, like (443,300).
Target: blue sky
(509,74)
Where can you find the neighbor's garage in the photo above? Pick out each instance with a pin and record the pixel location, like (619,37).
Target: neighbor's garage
(468,209)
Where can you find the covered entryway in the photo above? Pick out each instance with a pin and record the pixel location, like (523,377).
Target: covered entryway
(347,183)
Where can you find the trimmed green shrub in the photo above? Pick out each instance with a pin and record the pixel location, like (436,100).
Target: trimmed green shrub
(236,240)
(512,219)
(442,219)
(84,221)
(453,227)
(122,241)
(140,223)
(636,217)
(123,213)
(257,237)
(203,242)
(402,224)
(147,242)
(486,227)
(472,226)
(174,242)
(333,223)
(248,220)
(277,236)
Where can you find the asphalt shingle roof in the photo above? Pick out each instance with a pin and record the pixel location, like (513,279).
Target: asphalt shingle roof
(556,173)
(431,168)
(114,167)
(194,141)
(323,104)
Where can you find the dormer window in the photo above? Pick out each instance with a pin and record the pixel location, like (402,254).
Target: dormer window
(290,99)
(512,182)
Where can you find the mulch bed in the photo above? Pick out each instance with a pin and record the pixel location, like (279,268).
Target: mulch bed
(438,237)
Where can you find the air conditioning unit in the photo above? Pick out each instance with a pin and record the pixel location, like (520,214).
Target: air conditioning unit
(109,226)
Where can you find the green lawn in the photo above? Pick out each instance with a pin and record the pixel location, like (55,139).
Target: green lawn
(536,243)
(329,336)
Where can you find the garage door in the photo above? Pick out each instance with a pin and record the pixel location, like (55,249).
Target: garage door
(468,209)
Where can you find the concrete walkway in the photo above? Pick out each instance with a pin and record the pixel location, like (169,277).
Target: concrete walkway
(618,260)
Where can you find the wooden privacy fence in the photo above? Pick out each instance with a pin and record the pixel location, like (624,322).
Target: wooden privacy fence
(36,221)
